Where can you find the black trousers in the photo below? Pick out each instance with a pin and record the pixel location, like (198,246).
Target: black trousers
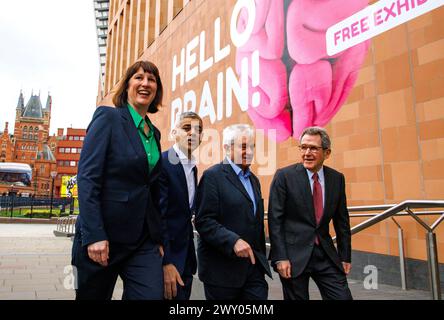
(254,288)
(331,281)
(139,266)
(184,293)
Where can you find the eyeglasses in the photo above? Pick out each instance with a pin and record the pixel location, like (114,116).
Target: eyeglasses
(313,149)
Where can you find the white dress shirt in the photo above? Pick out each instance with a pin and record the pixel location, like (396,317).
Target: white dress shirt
(187,165)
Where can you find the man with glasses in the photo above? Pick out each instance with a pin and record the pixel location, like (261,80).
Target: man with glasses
(304,198)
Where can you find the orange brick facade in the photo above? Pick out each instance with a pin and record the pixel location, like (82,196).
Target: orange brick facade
(388,136)
(32,144)
(7,149)
(69,146)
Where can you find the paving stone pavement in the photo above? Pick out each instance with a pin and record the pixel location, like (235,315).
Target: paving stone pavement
(35,265)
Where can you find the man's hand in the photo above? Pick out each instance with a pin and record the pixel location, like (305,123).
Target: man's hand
(99,252)
(284,268)
(170,277)
(243,250)
(347,267)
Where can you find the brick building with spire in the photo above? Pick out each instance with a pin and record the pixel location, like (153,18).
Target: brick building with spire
(31,143)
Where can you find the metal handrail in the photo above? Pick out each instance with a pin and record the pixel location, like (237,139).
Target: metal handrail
(405,209)
(395,209)
(401,210)
(370,208)
(418,213)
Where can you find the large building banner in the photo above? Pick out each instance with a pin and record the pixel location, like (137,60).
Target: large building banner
(282,76)
(68,188)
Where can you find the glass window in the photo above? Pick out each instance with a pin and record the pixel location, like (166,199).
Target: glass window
(82,138)
(76,138)
(62,150)
(72,164)
(67,150)
(79,150)
(70,138)
(66,163)
(60,163)
(73,150)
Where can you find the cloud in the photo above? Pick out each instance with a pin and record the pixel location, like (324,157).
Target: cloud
(49,45)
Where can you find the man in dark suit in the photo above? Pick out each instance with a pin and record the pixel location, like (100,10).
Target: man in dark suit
(230,212)
(304,198)
(178,183)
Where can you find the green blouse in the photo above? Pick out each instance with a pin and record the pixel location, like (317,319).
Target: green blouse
(148,141)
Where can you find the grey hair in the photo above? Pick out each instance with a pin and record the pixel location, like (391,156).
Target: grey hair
(231,132)
(314,131)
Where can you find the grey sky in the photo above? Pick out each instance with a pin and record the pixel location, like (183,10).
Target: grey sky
(49,45)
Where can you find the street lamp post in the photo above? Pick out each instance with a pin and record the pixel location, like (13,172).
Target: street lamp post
(12,193)
(53,175)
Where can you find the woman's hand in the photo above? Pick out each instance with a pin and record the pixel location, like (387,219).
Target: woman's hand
(99,252)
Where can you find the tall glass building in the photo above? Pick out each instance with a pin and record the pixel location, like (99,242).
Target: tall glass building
(101,9)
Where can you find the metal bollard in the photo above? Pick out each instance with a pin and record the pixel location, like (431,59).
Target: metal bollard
(402,259)
(402,266)
(432,259)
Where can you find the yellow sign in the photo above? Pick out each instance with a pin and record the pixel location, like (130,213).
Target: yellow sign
(64,190)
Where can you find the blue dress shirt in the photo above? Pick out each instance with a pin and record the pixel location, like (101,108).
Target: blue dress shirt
(244,178)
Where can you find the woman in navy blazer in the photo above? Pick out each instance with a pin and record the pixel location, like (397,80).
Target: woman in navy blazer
(118,231)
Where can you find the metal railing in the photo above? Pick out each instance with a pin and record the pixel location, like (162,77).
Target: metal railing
(65,226)
(13,206)
(406,209)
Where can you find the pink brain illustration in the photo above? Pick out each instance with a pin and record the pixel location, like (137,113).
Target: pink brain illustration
(300,85)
